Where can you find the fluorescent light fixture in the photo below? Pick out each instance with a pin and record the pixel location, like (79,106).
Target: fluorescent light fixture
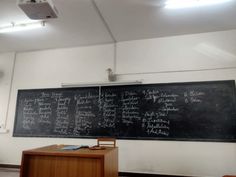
(96,84)
(178,4)
(21,27)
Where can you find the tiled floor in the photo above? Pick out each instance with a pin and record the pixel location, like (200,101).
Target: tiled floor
(9,172)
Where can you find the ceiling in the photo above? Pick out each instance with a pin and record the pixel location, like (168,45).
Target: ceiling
(79,23)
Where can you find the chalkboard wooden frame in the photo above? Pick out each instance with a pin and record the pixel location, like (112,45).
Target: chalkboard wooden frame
(131,132)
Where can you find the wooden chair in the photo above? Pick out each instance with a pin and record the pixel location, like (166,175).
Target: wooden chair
(229,176)
(109,142)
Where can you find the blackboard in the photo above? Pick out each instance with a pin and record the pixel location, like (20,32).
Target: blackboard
(194,111)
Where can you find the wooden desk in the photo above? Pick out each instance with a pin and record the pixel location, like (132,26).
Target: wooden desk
(51,161)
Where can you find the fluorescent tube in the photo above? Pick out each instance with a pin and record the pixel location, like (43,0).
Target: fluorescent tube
(96,84)
(21,27)
(178,4)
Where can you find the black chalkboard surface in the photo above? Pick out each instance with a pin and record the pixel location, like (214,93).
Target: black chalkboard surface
(196,111)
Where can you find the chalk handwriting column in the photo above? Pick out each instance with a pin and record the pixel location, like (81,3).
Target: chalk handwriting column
(62,116)
(130,107)
(156,121)
(29,114)
(44,108)
(84,113)
(109,110)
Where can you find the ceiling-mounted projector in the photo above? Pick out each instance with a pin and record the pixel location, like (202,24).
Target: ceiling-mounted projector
(38,9)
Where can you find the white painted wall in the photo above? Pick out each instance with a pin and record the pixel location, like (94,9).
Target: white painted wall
(178,53)
(6,69)
(153,61)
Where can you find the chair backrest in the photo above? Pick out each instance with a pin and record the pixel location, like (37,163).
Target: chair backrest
(229,176)
(110,142)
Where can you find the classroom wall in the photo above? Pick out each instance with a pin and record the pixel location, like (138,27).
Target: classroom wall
(198,57)
(46,69)
(6,69)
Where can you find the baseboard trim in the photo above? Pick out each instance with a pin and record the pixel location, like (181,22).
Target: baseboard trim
(9,166)
(129,174)
(123,174)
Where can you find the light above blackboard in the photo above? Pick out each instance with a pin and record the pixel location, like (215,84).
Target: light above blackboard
(95,84)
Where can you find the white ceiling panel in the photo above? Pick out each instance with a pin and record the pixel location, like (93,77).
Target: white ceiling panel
(79,23)
(140,19)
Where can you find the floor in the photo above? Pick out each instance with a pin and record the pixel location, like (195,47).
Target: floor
(6,172)
(10,172)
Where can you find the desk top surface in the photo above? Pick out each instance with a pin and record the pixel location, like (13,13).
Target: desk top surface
(57,150)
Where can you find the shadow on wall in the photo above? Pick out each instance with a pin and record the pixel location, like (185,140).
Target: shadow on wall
(1,74)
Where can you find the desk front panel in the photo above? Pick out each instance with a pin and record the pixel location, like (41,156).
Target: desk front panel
(62,166)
